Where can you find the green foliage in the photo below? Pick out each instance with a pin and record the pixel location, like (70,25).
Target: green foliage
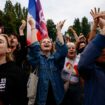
(70,34)
(77,26)
(1,17)
(85,26)
(51,29)
(13,14)
(11,17)
(80,27)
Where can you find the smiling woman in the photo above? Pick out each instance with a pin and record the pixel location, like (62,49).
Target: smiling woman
(46,45)
(5,50)
(12,79)
(50,90)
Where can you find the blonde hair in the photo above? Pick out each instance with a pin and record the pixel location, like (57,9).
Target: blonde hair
(9,56)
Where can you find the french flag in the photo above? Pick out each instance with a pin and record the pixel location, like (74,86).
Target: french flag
(35,11)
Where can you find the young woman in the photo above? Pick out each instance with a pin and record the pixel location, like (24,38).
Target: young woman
(50,90)
(12,79)
(18,45)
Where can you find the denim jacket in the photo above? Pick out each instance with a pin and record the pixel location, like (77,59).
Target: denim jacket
(49,70)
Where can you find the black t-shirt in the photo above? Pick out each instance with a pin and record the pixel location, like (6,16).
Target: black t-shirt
(12,85)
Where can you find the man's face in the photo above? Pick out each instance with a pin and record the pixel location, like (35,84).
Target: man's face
(101,58)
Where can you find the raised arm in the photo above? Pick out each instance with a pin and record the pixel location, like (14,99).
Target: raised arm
(22,27)
(92,52)
(59,34)
(94,13)
(34,49)
(22,37)
(33,30)
(74,33)
(61,48)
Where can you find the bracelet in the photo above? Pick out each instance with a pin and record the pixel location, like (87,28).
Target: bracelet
(33,28)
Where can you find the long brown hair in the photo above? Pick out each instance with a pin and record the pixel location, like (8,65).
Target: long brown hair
(9,56)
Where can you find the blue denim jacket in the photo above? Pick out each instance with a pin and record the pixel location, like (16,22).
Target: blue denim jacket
(49,70)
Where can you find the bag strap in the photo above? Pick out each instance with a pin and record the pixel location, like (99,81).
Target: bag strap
(36,70)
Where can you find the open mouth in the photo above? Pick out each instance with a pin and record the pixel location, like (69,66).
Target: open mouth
(71,52)
(46,45)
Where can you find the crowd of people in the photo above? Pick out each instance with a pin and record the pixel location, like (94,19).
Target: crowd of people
(69,73)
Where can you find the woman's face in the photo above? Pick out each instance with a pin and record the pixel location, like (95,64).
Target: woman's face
(71,50)
(14,41)
(3,45)
(46,45)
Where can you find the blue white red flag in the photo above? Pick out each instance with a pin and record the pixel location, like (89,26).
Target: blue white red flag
(35,11)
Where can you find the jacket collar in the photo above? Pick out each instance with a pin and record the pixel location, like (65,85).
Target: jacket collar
(50,56)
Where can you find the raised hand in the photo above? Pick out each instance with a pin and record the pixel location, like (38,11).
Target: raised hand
(74,33)
(71,29)
(102,25)
(59,34)
(60,25)
(102,14)
(95,14)
(32,23)
(23,25)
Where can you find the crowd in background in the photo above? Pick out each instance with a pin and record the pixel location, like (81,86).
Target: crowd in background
(69,73)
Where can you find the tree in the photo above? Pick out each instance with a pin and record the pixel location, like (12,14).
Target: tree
(51,29)
(85,26)
(9,18)
(77,26)
(12,17)
(24,11)
(68,32)
(1,17)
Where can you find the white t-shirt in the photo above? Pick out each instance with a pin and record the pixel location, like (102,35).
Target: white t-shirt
(70,71)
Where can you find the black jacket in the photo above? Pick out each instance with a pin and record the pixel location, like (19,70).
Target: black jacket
(12,85)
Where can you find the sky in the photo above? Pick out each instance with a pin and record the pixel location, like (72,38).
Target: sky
(58,10)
